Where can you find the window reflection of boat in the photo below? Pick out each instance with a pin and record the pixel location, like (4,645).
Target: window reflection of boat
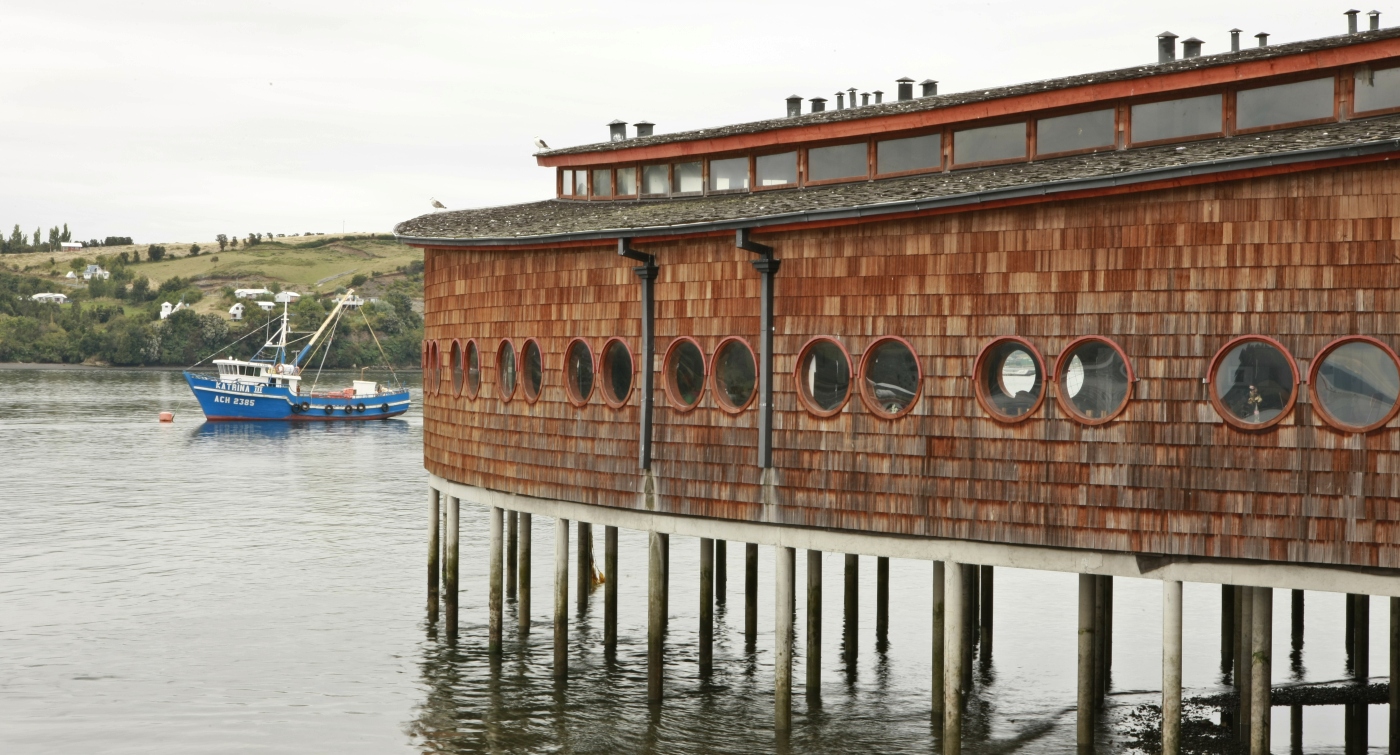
(890,396)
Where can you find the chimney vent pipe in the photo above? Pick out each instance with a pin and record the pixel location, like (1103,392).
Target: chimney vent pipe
(852,92)
(617,131)
(1375,20)
(1235,40)
(818,104)
(794,106)
(1191,48)
(1166,47)
(930,87)
(644,128)
(906,88)
(1263,38)
(879,96)
(840,100)
(1351,20)
(864,99)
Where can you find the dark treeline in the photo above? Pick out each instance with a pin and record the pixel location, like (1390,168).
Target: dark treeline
(86,331)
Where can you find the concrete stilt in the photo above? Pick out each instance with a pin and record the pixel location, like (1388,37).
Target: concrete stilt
(665,582)
(851,622)
(970,575)
(561,598)
(453,522)
(512,533)
(1084,698)
(1297,620)
(1361,653)
(1261,655)
(656,613)
(972,609)
(1107,634)
(882,597)
(493,600)
(1171,668)
(954,624)
(721,571)
(984,621)
(1100,624)
(1227,629)
(707,605)
(1244,684)
(523,594)
(1395,676)
(939,638)
(814,625)
(750,595)
(610,591)
(585,566)
(434,547)
(785,570)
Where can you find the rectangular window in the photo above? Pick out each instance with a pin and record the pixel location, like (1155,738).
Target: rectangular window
(990,144)
(1177,119)
(688,178)
(602,183)
(627,182)
(841,161)
(580,183)
(1285,103)
(913,153)
(654,180)
(1073,133)
(729,175)
(776,170)
(1377,90)
(566,184)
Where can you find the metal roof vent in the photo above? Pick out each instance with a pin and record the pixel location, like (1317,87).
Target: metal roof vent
(644,128)
(930,87)
(906,88)
(1166,47)
(617,131)
(1191,47)
(1375,20)
(818,104)
(852,92)
(1351,20)
(864,99)
(840,100)
(1263,38)
(1235,40)
(879,96)
(794,104)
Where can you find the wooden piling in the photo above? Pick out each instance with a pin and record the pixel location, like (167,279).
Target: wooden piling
(1171,668)
(970,574)
(1361,652)
(665,582)
(750,595)
(707,605)
(1395,675)
(493,599)
(721,571)
(1295,730)
(1261,661)
(1084,698)
(561,598)
(610,591)
(814,626)
(985,616)
(939,639)
(512,533)
(882,598)
(451,550)
(851,619)
(1227,629)
(656,608)
(1349,634)
(1245,684)
(785,571)
(523,569)
(585,566)
(434,545)
(1296,616)
(1100,604)
(954,600)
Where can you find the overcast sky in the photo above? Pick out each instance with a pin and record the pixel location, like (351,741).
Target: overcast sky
(177,120)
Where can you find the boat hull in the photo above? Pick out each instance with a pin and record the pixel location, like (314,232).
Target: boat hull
(223,401)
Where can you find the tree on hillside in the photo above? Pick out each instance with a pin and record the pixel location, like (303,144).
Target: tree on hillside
(233,242)
(155,252)
(38,239)
(194,250)
(223,241)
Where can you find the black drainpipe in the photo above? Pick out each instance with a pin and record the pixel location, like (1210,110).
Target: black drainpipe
(767,267)
(646,272)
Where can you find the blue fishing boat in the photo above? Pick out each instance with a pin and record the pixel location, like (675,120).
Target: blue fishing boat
(269,385)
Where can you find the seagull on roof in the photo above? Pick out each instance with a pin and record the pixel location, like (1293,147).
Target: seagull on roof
(540,145)
(437,205)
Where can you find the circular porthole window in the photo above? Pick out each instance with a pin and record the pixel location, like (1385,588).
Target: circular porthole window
(733,375)
(1010,379)
(823,376)
(616,372)
(1356,383)
(890,377)
(433,374)
(1094,380)
(505,369)
(578,372)
(473,369)
(684,374)
(457,373)
(532,370)
(1253,382)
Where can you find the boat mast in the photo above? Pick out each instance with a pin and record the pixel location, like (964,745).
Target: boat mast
(338,305)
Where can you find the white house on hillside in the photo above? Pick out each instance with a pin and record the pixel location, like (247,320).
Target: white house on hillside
(287,297)
(245,293)
(50,298)
(236,312)
(167,310)
(95,271)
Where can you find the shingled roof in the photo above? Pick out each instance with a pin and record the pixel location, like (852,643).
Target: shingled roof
(564,220)
(961,98)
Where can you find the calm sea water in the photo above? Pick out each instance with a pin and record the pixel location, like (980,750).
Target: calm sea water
(226,588)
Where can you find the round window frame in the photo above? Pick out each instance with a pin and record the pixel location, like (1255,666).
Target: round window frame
(434,366)
(711,376)
(869,401)
(1219,407)
(575,399)
(668,384)
(1316,365)
(470,343)
(807,401)
(506,398)
(520,371)
(1062,364)
(456,346)
(423,363)
(981,393)
(600,381)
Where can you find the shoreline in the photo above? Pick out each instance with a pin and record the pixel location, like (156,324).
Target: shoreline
(60,366)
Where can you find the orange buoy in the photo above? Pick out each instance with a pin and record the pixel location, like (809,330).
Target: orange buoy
(167,416)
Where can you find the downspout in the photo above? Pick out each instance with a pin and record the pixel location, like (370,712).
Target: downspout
(767,268)
(646,273)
